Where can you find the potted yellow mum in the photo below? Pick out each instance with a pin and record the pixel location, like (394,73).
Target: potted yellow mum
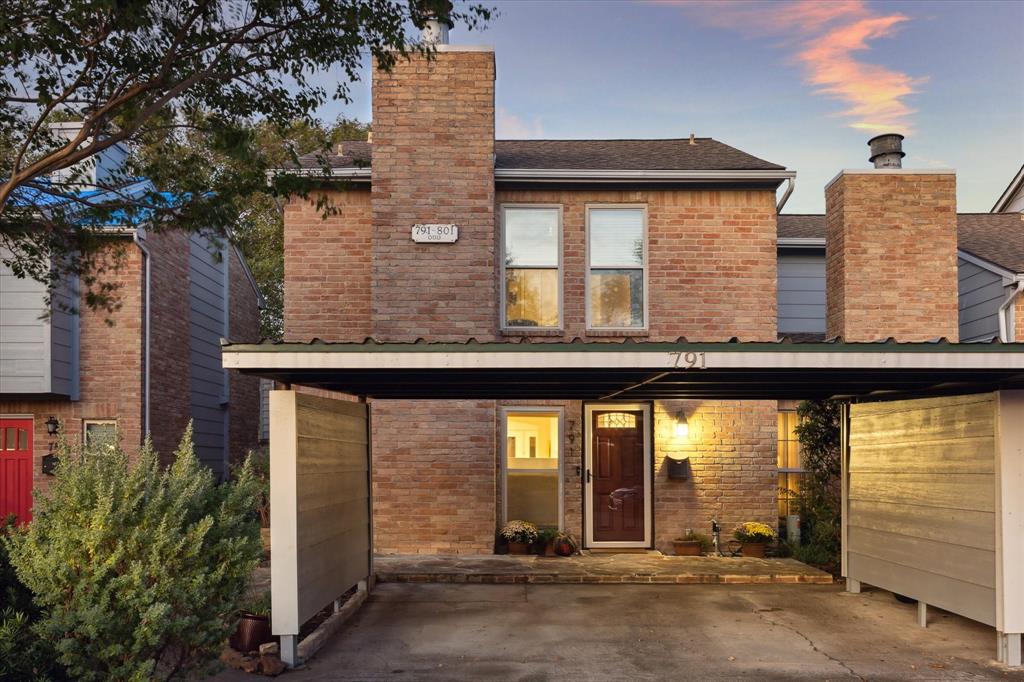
(754,536)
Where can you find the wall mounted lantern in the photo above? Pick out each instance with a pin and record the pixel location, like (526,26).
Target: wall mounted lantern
(52,425)
(682,426)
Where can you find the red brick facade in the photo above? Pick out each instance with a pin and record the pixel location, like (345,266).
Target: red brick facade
(1019,319)
(891,256)
(433,162)
(111,358)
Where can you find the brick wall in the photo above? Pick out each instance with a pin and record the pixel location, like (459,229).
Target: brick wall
(433,162)
(243,391)
(433,477)
(110,365)
(327,265)
(891,256)
(170,368)
(711,261)
(1019,319)
(733,454)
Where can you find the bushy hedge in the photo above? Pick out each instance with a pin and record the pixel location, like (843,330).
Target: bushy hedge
(137,569)
(820,494)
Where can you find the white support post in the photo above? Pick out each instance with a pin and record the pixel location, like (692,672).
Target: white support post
(853,586)
(922,614)
(290,650)
(1009,647)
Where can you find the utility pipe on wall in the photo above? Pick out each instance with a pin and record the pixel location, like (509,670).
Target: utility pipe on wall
(147,260)
(1004,311)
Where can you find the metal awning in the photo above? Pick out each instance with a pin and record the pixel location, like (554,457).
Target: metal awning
(635,370)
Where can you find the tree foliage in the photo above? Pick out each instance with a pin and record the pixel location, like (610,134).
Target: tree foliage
(138,570)
(820,495)
(173,83)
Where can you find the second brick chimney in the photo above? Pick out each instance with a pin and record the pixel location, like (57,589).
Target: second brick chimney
(891,255)
(433,162)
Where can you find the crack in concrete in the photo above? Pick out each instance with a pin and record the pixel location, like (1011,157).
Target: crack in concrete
(814,647)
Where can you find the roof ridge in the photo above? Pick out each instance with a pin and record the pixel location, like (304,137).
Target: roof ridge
(606,139)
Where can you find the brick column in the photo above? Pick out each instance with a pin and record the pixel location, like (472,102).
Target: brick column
(891,255)
(433,162)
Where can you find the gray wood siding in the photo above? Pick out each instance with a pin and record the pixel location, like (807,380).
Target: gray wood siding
(208,324)
(921,502)
(801,291)
(981,294)
(38,354)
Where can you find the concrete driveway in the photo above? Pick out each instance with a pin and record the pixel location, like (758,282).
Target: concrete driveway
(648,632)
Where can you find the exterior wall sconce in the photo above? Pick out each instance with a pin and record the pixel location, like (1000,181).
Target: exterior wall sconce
(678,469)
(682,426)
(52,425)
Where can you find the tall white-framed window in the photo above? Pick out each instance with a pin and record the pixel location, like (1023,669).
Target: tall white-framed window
(616,267)
(531,464)
(98,431)
(531,257)
(790,465)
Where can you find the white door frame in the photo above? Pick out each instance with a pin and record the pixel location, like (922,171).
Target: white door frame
(588,458)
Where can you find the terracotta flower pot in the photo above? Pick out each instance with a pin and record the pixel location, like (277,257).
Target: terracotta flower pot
(753,549)
(563,547)
(686,547)
(549,549)
(251,632)
(518,548)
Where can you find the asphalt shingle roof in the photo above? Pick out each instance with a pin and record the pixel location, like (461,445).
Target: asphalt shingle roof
(995,237)
(671,154)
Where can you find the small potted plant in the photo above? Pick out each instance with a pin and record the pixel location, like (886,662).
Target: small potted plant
(519,535)
(253,625)
(565,544)
(691,544)
(753,537)
(546,541)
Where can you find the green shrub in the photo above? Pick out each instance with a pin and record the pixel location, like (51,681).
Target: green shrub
(138,570)
(820,496)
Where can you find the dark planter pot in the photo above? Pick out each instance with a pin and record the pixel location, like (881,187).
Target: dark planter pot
(753,549)
(518,548)
(686,547)
(563,547)
(549,549)
(251,632)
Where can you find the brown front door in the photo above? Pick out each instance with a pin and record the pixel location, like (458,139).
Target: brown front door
(618,493)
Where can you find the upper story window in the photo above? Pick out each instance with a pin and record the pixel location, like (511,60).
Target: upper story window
(616,256)
(531,261)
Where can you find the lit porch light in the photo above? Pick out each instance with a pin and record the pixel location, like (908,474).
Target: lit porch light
(682,426)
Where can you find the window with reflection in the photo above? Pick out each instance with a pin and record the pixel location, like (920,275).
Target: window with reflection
(790,464)
(615,273)
(531,240)
(532,453)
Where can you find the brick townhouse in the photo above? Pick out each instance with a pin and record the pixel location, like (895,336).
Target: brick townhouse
(599,242)
(148,367)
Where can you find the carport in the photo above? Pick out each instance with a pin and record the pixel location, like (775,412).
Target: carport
(933,441)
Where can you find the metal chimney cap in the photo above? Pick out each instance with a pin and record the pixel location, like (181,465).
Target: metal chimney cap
(886,143)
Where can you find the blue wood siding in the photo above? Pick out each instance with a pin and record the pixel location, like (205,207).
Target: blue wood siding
(801,291)
(38,353)
(208,324)
(981,294)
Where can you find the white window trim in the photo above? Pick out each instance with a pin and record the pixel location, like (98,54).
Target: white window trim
(95,422)
(643,267)
(501,260)
(588,486)
(503,412)
(787,470)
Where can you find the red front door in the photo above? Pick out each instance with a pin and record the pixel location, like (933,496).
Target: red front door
(16,469)
(618,495)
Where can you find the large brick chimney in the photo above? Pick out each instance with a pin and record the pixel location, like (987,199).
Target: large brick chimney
(433,162)
(891,254)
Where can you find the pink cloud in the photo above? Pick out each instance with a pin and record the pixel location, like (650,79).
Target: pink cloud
(828,40)
(508,126)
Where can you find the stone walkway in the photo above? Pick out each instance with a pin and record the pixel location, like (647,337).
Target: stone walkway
(593,568)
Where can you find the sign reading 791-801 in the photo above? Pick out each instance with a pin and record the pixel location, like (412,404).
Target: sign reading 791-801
(435,232)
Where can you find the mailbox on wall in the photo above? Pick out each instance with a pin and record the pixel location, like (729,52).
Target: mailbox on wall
(678,469)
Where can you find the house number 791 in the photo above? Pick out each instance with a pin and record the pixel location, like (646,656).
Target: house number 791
(688,360)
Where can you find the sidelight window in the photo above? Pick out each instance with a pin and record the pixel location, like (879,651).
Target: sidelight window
(532,462)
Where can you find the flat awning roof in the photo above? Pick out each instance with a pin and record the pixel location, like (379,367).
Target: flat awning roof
(635,370)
